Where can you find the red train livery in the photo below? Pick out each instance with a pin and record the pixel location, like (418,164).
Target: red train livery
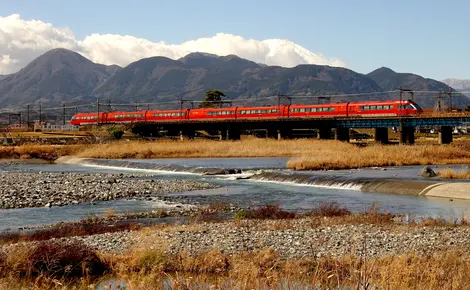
(348,109)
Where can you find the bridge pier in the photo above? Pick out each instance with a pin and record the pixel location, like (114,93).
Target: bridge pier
(342,134)
(284,133)
(324,133)
(407,135)
(173,132)
(222,134)
(271,133)
(233,134)
(381,135)
(189,134)
(445,135)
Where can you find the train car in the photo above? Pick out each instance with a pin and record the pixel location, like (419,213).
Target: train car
(323,110)
(212,113)
(86,118)
(383,108)
(262,112)
(124,117)
(167,115)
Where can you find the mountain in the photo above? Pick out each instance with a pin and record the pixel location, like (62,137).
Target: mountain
(55,77)
(162,79)
(390,80)
(62,76)
(459,85)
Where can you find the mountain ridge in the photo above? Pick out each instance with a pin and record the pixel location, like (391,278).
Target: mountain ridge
(61,76)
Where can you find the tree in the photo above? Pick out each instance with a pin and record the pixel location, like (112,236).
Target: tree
(213,99)
(116,133)
(467,108)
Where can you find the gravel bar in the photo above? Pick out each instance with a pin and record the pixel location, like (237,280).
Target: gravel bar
(298,240)
(45,189)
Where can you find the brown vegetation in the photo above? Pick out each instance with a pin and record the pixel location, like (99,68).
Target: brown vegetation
(85,227)
(308,154)
(51,264)
(265,269)
(332,155)
(452,174)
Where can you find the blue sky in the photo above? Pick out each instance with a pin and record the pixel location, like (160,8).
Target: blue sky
(429,37)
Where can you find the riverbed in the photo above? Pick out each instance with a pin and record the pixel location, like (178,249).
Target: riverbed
(340,186)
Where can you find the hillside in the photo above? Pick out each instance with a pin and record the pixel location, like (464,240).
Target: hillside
(159,78)
(459,85)
(388,80)
(55,77)
(61,76)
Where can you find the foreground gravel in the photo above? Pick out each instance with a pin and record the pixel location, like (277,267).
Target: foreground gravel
(299,239)
(42,189)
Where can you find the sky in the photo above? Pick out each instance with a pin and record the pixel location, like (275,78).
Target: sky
(426,37)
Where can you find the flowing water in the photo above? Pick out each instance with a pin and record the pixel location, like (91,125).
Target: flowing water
(269,183)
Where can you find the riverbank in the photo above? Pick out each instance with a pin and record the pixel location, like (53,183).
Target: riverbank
(307,154)
(46,189)
(331,247)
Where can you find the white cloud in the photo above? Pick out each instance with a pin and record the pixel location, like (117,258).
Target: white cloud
(23,40)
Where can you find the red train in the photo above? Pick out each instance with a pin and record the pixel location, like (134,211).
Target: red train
(352,109)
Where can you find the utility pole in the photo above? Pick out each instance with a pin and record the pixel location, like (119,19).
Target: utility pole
(63,115)
(27,117)
(450,100)
(98,111)
(40,114)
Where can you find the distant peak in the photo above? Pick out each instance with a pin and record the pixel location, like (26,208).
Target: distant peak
(200,55)
(384,69)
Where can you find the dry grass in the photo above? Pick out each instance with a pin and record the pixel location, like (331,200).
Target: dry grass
(308,154)
(35,151)
(196,148)
(266,270)
(332,155)
(452,174)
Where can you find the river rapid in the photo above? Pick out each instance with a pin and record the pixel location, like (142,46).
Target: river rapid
(245,182)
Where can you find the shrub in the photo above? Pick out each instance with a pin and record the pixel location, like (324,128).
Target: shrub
(329,209)
(116,133)
(268,212)
(60,260)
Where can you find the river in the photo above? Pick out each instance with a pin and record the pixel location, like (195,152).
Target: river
(271,183)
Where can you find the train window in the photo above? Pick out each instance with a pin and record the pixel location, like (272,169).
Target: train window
(373,107)
(380,107)
(366,108)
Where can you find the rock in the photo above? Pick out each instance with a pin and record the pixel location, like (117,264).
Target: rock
(427,172)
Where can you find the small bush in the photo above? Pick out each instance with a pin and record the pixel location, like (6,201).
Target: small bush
(329,209)
(268,212)
(60,260)
(116,133)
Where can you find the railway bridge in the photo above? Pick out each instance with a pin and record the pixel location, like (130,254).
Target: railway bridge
(282,128)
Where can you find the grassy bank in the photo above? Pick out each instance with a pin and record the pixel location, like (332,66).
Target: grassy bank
(55,264)
(37,151)
(335,155)
(454,174)
(262,269)
(307,154)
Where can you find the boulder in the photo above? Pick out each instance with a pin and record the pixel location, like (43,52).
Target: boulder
(427,172)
